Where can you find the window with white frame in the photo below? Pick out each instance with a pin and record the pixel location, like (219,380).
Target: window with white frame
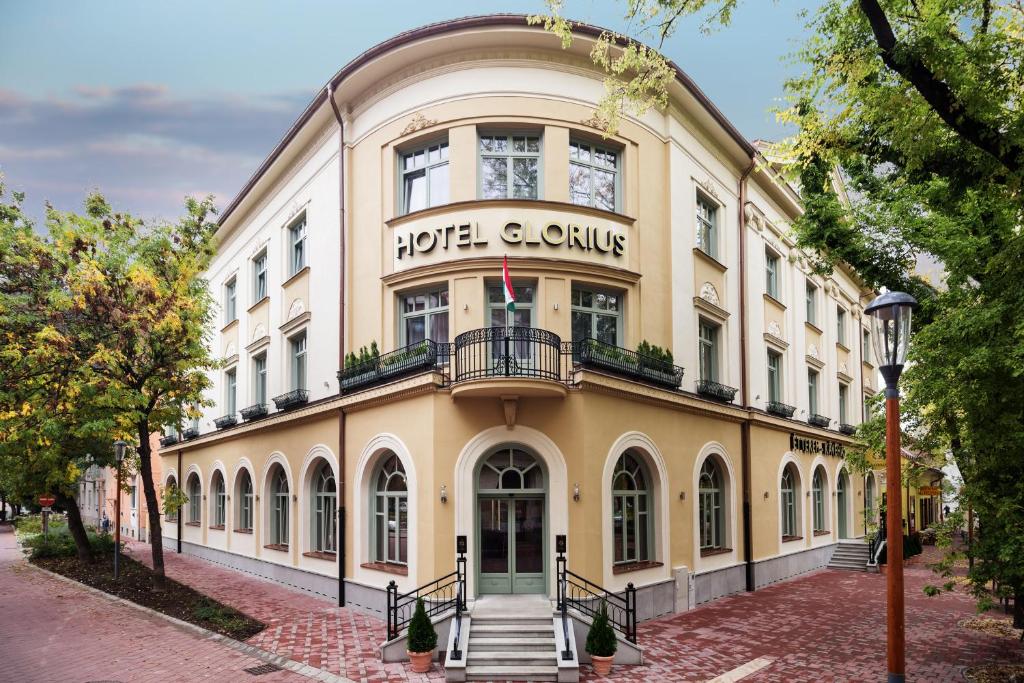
(865,346)
(812,391)
(707,226)
(707,350)
(279,502)
(818,491)
(391,512)
(596,314)
(789,501)
(841,325)
(771,266)
(219,499)
(298,258)
(593,175)
(774,376)
(424,180)
(711,509)
(259,277)
(509,166)
(297,347)
(631,506)
(497,314)
(231,391)
(259,379)
(245,499)
(424,315)
(812,303)
(325,505)
(844,397)
(195,499)
(230,295)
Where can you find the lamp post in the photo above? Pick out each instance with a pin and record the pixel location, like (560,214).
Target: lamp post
(119,448)
(890,323)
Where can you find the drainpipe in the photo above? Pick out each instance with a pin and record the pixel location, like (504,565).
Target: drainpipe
(179,482)
(342,273)
(748,540)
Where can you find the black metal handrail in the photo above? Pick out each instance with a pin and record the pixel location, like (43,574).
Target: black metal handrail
(295,397)
(439,596)
(508,352)
(254,411)
(594,353)
(401,362)
(819,421)
(586,597)
(781,409)
(707,387)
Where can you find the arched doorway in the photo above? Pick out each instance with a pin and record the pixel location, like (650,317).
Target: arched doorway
(511,523)
(842,488)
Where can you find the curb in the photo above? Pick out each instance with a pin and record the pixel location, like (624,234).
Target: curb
(270,658)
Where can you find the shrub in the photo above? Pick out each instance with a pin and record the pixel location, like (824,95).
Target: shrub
(601,640)
(212,612)
(60,544)
(911,547)
(422,636)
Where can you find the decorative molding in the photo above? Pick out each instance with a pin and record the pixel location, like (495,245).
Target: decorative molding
(710,294)
(816,362)
(416,123)
(812,351)
(295,323)
(777,342)
(231,360)
(258,332)
(230,350)
(710,308)
(297,308)
(774,329)
(843,370)
(258,344)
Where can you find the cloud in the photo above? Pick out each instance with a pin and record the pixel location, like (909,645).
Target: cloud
(142,145)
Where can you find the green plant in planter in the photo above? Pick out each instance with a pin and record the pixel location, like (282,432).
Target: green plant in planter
(422,636)
(601,640)
(654,357)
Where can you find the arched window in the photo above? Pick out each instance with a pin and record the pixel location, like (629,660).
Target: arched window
(195,499)
(818,498)
(712,513)
(279,508)
(325,504)
(391,512)
(631,504)
(244,496)
(170,485)
(789,502)
(511,469)
(219,502)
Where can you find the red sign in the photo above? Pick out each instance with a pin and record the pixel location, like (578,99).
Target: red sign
(47,501)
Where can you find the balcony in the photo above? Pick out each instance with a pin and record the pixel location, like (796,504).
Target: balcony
(508,361)
(847,429)
(780,409)
(190,433)
(226,421)
(254,412)
(296,397)
(626,363)
(819,421)
(168,440)
(706,387)
(406,361)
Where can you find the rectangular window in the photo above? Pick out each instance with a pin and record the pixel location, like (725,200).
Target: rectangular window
(596,314)
(424,177)
(496,312)
(259,277)
(812,392)
(844,394)
(812,304)
(424,315)
(298,354)
(707,227)
(771,265)
(230,391)
(841,325)
(509,166)
(593,174)
(774,377)
(707,351)
(230,313)
(259,379)
(865,346)
(297,242)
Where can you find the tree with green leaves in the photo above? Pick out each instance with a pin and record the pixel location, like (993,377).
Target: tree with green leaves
(917,103)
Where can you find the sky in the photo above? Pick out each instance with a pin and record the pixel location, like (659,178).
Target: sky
(149,102)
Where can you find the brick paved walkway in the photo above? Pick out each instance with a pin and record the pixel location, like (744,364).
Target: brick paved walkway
(51,630)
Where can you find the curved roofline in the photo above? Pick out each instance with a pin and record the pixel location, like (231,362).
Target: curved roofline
(441,27)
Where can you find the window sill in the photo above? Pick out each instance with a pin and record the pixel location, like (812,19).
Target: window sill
(228,326)
(283,547)
(192,524)
(389,567)
(812,326)
(320,555)
(627,567)
(298,274)
(217,527)
(518,203)
(769,297)
(708,552)
(266,297)
(841,345)
(243,531)
(710,260)
(787,539)
(820,532)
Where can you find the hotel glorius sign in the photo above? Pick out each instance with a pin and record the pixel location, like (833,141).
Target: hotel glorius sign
(800,443)
(469,235)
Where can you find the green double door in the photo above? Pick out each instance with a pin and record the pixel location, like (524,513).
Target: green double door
(510,536)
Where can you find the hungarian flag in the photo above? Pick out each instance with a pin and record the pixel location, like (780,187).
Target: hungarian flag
(510,294)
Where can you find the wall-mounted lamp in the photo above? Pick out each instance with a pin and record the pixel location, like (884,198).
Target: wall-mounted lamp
(444,493)
(766,495)
(682,495)
(295,498)
(576,492)
(555,307)
(808,494)
(257,497)
(465,307)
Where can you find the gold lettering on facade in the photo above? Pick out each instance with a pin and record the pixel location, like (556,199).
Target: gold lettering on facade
(586,238)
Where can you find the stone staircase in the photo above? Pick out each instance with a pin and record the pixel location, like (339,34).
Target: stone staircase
(512,638)
(851,555)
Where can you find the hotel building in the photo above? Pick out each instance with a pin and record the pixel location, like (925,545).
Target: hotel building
(381,220)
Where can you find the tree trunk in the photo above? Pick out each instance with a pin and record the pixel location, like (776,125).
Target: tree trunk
(1018,608)
(76,527)
(156,536)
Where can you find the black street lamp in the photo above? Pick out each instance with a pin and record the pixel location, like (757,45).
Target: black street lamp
(119,448)
(890,318)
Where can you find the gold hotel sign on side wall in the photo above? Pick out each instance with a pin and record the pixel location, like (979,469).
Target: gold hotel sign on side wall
(423,244)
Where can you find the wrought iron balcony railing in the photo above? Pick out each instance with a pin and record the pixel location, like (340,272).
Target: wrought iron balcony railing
(848,429)
(507,352)
(819,421)
(226,421)
(254,412)
(168,440)
(707,387)
(402,362)
(614,359)
(780,409)
(190,433)
(296,397)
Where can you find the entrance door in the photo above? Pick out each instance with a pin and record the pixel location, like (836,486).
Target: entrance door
(510,524)
(841,488)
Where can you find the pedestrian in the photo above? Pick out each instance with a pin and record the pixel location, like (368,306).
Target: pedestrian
(105,524)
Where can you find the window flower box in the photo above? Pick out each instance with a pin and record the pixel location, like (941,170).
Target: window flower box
(409,360)
(706,387)
(631,364)
(819,421)
(225,421)
(168,440)
(296,397)
(780,409)
(847,429)
(254,412)
(190,433)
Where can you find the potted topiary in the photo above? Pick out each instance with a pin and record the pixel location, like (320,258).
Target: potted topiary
(601,642)
(422,639)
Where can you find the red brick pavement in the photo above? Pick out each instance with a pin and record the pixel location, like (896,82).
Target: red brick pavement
(51,630)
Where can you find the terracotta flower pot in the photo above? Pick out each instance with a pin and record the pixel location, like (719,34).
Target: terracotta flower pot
(420,661)
(602,665)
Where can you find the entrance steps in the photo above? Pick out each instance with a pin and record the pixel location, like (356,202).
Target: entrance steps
(512,638)
(850,555)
